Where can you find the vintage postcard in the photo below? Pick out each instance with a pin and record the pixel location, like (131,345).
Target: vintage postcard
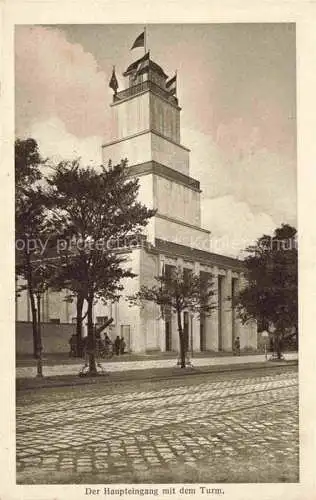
(157,192)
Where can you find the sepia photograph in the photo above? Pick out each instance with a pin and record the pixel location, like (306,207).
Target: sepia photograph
(156,256)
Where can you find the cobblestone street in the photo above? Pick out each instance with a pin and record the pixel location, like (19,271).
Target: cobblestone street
(242,429)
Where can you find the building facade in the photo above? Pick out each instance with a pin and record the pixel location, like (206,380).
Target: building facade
(146,131)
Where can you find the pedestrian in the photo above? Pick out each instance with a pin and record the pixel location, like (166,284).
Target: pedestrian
(122,345)
(117,345)
(237,346)
(107,341)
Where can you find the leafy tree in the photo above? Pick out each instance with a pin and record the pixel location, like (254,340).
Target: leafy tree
(95,214)
(30,230)
(178,291)
(27,163)
(270,295)
(69,279)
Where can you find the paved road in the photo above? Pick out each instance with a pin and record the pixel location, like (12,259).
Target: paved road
(74,368)
(241,429)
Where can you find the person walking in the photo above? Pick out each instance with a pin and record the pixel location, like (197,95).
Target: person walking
(122,345)
(108,345)
(237,346)
(117,345)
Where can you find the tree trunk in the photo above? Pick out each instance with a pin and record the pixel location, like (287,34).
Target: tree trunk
(79,305)
(182,341)
(34,322)
(39,340)
(279,345)
(32,302)
(91,340)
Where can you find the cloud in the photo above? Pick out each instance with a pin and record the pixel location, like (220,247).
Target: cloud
(58,78)
(57,144)
(233,225)
(255,176)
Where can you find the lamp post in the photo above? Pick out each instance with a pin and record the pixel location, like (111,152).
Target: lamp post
(41,274)
(39,338)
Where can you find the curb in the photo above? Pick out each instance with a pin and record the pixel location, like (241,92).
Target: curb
(24,363)
(146,375)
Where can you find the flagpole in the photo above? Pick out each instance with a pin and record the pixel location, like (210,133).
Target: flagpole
(145,39)
(115,91)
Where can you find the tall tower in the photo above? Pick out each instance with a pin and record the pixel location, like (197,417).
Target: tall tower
(146,131)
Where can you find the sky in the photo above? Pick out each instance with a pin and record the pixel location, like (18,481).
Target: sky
(237,91)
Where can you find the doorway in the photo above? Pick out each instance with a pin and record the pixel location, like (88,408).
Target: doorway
(126,333)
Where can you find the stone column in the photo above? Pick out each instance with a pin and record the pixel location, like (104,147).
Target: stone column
(237,325)
(248,331)
(28,305)
(211,321)
(227,312)
(175,332)
(195,332)
(66,312)
(161,328)
(134,316)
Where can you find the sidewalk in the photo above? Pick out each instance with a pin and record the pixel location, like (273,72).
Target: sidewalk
(27,372)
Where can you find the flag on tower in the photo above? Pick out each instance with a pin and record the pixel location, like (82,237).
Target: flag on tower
(113,82)
(140,41)
(171,85)
(137,66)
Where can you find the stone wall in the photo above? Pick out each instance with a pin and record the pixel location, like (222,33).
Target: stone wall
(130,117)
(55,338)
(168,229)
(173,199)
(137,149)
(150,313)
(147,146)
(164,118)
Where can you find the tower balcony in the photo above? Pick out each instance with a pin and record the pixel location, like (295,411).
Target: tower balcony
(143,87)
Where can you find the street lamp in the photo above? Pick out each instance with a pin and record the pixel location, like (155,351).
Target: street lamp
(39,338)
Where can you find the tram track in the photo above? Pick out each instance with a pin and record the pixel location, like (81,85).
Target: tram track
(82,404)
(160,403)
(108,437)
(109,387)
